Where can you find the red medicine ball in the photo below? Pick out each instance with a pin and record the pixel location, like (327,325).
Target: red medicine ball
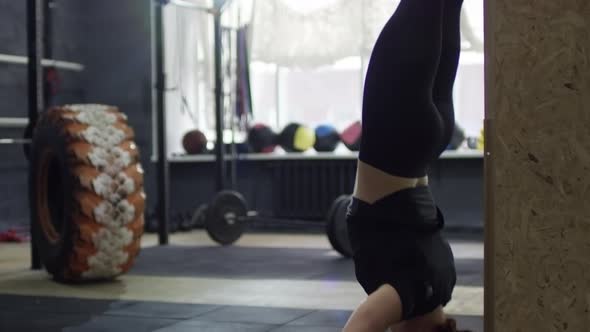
(194,142)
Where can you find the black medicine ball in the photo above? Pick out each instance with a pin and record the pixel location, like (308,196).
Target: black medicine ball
(457,139)
(327,138)
(262,139)
(296,137)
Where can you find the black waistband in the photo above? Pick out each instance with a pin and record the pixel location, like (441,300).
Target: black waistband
(413,208)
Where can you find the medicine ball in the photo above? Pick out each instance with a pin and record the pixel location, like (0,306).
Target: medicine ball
(262,139)
(481,140)
(327,138)
(457,138)
(351,136)
(296,137)
(194,142)
(476,143)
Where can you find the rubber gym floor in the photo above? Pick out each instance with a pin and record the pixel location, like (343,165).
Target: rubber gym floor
(266,282)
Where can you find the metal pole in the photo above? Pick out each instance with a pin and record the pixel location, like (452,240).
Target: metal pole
(23,60)
(35,54)
(219,147)
(277,96)
(47,46)
(232,72)
(14,122)
(163,184)
(35,92)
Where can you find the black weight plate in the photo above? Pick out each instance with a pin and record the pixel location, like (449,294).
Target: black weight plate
(225,215)
(336,228)
(330,232)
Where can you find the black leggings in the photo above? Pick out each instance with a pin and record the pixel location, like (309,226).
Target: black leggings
(408,115)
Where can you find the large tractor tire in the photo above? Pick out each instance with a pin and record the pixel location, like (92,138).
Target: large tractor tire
(86,193)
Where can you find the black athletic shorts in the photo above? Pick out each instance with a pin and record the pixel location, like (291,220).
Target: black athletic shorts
(406,251)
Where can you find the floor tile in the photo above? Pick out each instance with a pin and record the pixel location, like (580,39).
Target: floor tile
(162,310)
(291,328)
(59,305)
(30,321)
(262,315)
(471,323)
(54,322)
(204,326)
(327,318)
(302,294)
(267,263)
(123,324)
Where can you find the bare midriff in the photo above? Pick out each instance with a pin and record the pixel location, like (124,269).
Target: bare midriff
(373,184)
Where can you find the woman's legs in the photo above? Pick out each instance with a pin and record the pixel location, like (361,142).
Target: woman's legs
(442,93)
(402,128)
(408,120)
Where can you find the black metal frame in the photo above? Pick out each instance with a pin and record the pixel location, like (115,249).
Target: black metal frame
(35,48)
(163,183)
(47,47)
(220,146)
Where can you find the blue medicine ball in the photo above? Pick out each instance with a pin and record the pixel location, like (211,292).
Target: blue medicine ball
(327,138)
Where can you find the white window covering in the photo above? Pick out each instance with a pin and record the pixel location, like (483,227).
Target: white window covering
(307,58)
(311,33)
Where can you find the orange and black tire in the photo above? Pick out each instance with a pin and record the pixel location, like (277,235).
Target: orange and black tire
(86,193)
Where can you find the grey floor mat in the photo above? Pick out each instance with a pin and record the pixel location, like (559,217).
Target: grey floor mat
(265,263)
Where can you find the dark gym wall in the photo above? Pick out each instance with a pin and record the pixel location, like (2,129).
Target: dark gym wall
(112,40)
(12,104)
(118,67)
(68,28)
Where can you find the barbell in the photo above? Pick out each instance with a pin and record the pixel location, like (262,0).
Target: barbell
(225,218)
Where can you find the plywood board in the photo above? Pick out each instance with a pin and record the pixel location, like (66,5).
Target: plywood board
(538,66)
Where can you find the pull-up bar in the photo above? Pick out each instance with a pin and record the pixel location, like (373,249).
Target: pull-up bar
(23,60)
(217,9)
(191,5)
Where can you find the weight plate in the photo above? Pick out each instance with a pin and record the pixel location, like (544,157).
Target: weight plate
(225,216)
(330,222)
(337,229)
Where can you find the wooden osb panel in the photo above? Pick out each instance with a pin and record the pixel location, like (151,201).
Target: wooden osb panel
(539,65)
